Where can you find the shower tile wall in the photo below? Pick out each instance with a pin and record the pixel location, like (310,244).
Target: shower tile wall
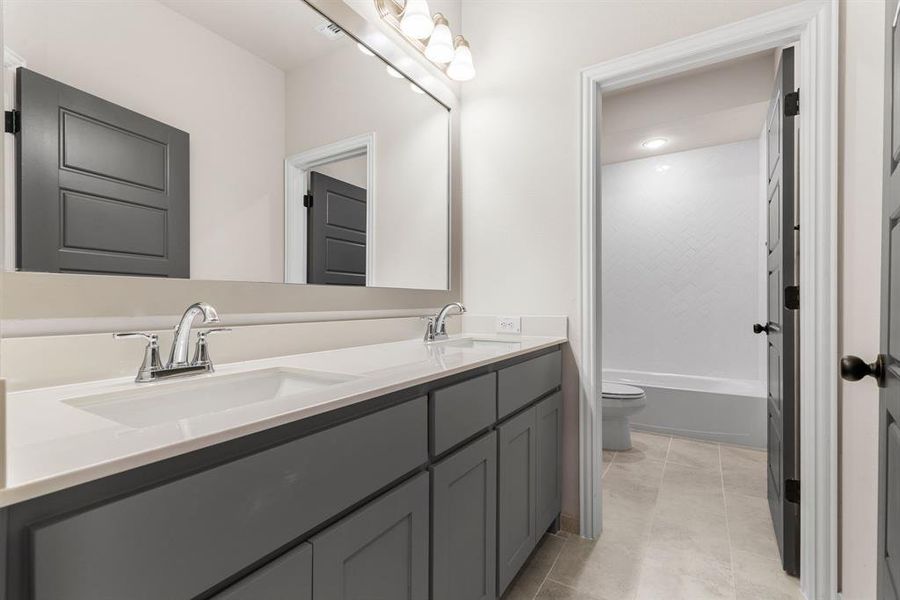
(681,263)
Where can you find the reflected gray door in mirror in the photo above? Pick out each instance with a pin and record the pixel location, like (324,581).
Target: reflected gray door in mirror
(336,225)
(268,91)
(102,189)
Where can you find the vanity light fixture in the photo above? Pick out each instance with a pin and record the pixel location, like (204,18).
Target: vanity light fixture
(654,143)
(364,50)
(415,20)
(462,68)
(430,35)
(440,45)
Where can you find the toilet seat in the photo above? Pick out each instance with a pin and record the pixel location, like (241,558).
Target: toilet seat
(621,391)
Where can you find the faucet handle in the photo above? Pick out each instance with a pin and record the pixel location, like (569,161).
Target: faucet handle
(151,363)
(150,337)
(201,352)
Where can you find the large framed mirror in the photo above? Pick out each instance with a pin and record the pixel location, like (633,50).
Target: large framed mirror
(249,140)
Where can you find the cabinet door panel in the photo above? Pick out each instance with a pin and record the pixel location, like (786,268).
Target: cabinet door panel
(286,578)
(380,552)
(516,493)
(549,448)
(465,523)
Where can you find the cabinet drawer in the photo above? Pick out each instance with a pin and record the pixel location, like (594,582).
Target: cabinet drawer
(460,411)
(380,552)
(287,577)
(527,381)
(177,540)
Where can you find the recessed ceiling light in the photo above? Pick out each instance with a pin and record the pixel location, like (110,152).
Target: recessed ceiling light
(364,50)
(393,72)
(654,143)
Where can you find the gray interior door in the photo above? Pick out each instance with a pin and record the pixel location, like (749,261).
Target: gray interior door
(101,189)
(783,467)
(336,232)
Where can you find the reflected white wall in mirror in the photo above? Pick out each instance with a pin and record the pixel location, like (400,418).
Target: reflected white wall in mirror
(252,83)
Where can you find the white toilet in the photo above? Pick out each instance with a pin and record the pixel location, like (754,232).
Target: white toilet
(619,402)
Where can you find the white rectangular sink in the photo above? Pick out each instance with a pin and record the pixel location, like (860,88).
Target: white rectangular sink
(483,344)
(170,401)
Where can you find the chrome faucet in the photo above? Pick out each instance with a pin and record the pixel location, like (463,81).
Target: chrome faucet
(179,355)
(151,368)
(436,329)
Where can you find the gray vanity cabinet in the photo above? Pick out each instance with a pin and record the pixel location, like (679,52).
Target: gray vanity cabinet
(286,578)
(379,552)
(548,421)
(516,535)
(464,523)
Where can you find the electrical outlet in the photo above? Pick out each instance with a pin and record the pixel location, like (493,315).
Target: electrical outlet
(509,325)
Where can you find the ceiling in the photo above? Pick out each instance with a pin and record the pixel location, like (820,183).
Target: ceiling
(281,33)
(717,104)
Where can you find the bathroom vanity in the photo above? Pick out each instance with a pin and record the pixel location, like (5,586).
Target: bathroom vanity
(430,475)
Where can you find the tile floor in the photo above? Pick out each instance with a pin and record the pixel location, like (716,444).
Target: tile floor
(683,520)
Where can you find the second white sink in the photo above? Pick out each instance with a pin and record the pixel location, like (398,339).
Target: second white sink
(170,401)
(483,344)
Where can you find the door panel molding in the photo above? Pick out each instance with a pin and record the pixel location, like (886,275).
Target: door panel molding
(813,27)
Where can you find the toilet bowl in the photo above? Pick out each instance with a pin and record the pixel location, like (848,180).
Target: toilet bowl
(619,402)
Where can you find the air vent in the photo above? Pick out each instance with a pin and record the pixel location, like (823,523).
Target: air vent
(330,30)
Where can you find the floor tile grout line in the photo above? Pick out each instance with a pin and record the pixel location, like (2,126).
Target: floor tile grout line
(550,570)
(727,523)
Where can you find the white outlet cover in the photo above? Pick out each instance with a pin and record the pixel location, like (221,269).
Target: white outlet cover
(509,325)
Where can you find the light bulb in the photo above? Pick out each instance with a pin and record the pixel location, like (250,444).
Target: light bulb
(461,69)
(416,20)
(440,44)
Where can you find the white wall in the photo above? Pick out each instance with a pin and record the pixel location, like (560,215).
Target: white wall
(152,60)
(680,263)
(520,143)
(411,157)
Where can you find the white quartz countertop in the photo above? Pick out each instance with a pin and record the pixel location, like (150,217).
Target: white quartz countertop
(53,444)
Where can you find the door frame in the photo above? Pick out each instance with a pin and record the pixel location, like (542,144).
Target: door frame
(296,176)
(813,26)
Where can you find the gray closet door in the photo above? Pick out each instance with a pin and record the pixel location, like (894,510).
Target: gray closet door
(516,533)
(464,523)
(380,552)
(781,329)
(288,577)
(548,420)
(101,189)
(336,232)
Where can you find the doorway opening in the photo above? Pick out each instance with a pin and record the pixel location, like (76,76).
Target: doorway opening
(812,29)
(698,392)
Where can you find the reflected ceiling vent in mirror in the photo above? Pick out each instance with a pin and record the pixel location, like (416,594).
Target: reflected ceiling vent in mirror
(330,30)
(429,34)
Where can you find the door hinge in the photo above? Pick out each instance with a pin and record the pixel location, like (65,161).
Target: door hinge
(792,104)
(307,200)
(792,490)
(792,297)
(13,121)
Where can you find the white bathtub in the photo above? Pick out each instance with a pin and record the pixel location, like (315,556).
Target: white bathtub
(709,408)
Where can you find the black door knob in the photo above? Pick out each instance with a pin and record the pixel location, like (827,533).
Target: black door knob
(757,328)
(853,368)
